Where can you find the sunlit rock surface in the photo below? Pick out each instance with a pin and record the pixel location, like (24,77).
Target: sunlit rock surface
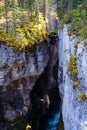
(18,74)
(74,110)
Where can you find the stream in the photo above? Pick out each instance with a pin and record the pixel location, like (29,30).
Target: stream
(53,119)
(44,117)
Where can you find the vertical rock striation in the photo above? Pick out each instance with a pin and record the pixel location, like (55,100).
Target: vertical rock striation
(74,109)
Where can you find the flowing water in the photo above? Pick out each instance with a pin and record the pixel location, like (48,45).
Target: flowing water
(53,119)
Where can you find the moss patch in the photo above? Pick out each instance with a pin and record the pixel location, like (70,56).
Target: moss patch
(70,32)
(75,84)
(73,67)
(74,71)
(76,45)
(82,96)
(61,26)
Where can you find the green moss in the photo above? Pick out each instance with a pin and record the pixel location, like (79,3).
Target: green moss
(76,45)
(61,26)
(70,32)
(73,58)
(74,71)
(73,67)
(66,19)
(82,96)
(75,84)
(55,33)
(77,19)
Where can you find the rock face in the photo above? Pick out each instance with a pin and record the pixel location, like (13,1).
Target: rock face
(18,74)
(74,109)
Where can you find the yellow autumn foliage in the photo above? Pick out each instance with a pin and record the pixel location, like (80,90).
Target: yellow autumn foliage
(28,127)
(25,35)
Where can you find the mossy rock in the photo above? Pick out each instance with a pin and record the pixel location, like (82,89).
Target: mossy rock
(61,26)
(76,45)
(82,96)
(73,58)
(73,67)
(75,71)
(75,84)
(70,32)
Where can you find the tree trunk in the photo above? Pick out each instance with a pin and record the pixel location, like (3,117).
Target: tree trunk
(44,8)
(6,14)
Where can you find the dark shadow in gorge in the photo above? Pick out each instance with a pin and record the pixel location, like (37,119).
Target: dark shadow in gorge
(41,93)
(45,98)
(37,105)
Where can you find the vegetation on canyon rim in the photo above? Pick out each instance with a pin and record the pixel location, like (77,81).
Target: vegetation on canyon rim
(19,26)
(74,12)
(24,23)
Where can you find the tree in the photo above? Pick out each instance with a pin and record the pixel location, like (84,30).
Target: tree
(6,4)
(21,3)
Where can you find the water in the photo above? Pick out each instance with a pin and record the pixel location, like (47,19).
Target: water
(53,119)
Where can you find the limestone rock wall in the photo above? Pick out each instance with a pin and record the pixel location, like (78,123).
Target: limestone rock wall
(18,74)
(74,109)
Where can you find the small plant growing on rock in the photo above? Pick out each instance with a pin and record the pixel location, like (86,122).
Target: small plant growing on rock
(73,67)
(66,19)
(75,84)
(76,45)
(61,26)
(70,32)
(74,71)
(82,96)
